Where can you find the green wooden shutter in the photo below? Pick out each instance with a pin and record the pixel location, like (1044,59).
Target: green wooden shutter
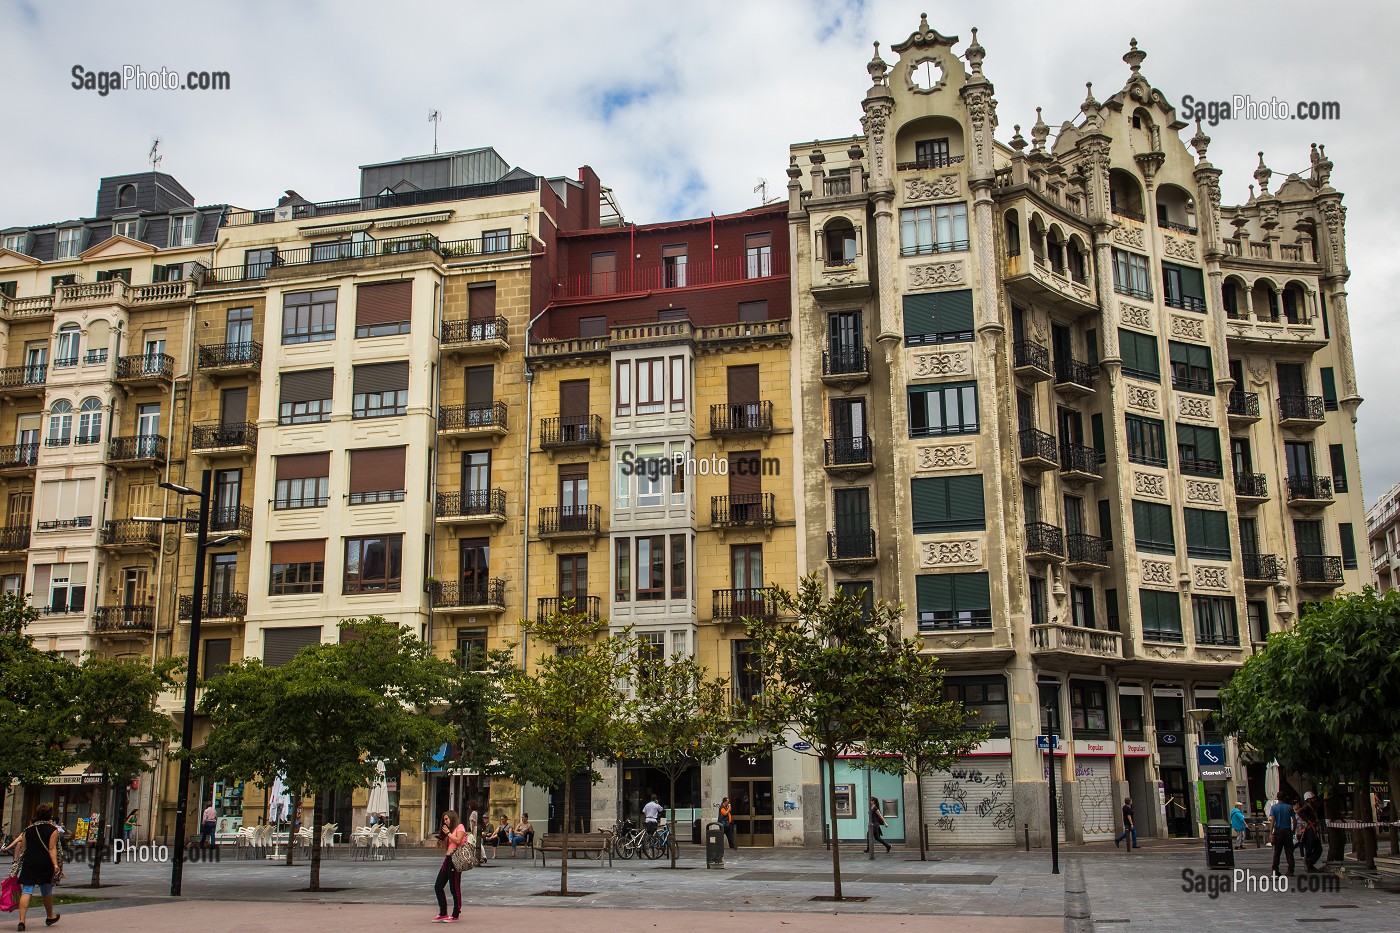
(920,313)
(935,592)
(1217,528)
(971,591)
(1147,355)
(1195,529)
(1096,427)
(965,502)
(1329,389)
(1105,525)
(954,311)
(929,502)
(1127,347)
(1193,283)
(1348,546)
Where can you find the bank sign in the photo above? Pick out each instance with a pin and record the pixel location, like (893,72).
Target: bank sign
(1210,762)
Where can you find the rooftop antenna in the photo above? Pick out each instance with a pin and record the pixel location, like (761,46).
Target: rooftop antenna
(761,189)
(154,155)
(435,117)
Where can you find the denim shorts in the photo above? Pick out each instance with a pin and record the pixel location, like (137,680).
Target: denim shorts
(43,890)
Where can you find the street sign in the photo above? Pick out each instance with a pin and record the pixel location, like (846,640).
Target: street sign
(1047,742)
(801,746)
(1210,756)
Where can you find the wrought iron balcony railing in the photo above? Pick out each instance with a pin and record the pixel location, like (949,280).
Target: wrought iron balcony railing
(247,354)
(742,418)
(583,605)
(473,593)
(746,603)
(140,447)
(216,606)
(846,361)
(585,431)
(474,503)
(146,366)
(848,451)
(570,520)
(472,417)
(215,435)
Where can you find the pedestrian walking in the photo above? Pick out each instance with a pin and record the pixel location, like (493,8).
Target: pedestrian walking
(207,824)
(451,834)
(39,867)
(474,830)
(128,831)
(1281,819)
(1310,816)
(1129,826)
(726,821)
(877,822)
(1237,823)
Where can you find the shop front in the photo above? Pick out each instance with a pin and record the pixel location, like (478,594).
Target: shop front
(856,787)
(1093,777)
(971,802)
(75,795)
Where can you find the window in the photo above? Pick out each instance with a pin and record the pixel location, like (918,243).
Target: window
(592,327)
(932,153)
(66,585)
(308,317)
(380,390)
(280,645)
(70,243)
(1130,719)
(1139,355)
(1040,606)
(173,272)
(256,262)
(126,196)
(1207,534)
(182,229)
(495,241)
(1216,623)
(1081,602)
(373,565)
(677,383)
(651,482)
(1152,527)
(14,242)
(679,574)
(217,653)
(303,481)
(306,396)
(377,475)
(66,353)
(1088,707)
(1348,541)
(937,229)
(622,570)
(985,698)
(953,601)
(297,567)
(57,281)
(753,312)
(1130,275)
(1198,450)
(60,424)
(1011,221)
(1338,455)
(624,387)
(948,503)
(651,567)
(1147,441)
(1183,287)
(938,317)
(90,421)
(383,309)
(1161,615)
(1257,613)
(651,386)
(1191,370)
(758,255)
(673,266)
(937,410)
(1106,524)
(1329,389)
(9,288)
(864,592)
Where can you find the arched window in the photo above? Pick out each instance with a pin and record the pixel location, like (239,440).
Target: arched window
(1078,265)
(126,196)
(90,421)
(1055,248)
(60,424)
(68,340)
(840,242)
(1013,233)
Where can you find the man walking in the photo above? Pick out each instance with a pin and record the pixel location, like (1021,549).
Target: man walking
(1281,817)
(1308,817)
(1129,826)
(877,821)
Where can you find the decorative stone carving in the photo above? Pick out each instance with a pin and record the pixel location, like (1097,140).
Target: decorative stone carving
(1150,484)
(934,274)
(1133,316)
(1188,328)
(946,457)
(1179,249)
(1128,236)
(1158,571)
(1167,654)
(942,363)
(1062,285)
(1210,578)
(874,122)
(929,189)
(1194,406)
(1202,491)
(1142,397)
(964,553)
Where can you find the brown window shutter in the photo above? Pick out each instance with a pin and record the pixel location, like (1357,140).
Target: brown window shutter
(601,263)
(744,480)
(233,406)
(755,240)
(743,385)
(573,400)
(377,470)
(481,301)
(308,385)
(299,552)
(591,327)
(217,652)
(304,466)
(381,377)
(347,635)
(280,645)
(383,303)
(670,252)
(481,382)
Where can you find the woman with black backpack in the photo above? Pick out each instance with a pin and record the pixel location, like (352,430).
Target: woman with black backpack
(40,864)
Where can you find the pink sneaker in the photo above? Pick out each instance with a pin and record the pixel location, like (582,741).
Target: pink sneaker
(440,918)
(450,919)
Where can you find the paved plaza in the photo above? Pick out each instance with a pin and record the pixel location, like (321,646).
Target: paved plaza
(764,890)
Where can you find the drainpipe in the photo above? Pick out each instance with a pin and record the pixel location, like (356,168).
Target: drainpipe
(525,529)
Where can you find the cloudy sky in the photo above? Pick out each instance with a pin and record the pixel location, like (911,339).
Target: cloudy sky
(680,107)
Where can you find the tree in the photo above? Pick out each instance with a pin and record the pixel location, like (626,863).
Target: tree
(324,719)
(1321,697)
(837,684)
(554,722)
(115,706)
(36,708)
(683,720)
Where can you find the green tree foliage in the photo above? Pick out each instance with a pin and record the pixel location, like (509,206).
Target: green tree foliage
(325,718)
(117,722)
(1321,698)
(553,722)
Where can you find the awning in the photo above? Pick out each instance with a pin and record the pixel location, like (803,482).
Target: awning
(73,774)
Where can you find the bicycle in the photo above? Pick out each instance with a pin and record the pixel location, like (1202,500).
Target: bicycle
(628,841)
(658,843)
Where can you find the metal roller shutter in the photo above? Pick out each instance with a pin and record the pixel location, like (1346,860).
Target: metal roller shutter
(384,303)
(303,466)
(280,645)
(743,385)
(970,804)
(1095,799)
(308,385)
(377,469)
(381,377)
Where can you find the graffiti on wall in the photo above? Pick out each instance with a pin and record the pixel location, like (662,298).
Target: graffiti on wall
(970,793)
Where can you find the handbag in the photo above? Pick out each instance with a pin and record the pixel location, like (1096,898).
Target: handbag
(9,894)
(465,857)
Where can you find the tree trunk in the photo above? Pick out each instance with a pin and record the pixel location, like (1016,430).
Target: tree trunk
(1394,803)
(568,818)
(1336,838)
(316,817)
(1366,851)
(919,804)
(835,836)
(671,840)
(102,817)
(292,829)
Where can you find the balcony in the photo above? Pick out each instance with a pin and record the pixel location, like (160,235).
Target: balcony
(1319,570)
(124,620)
(24,309)
(1032,361)
(748,510)
(146,370)
(1243,407)
(1071,641)
(143,448)
(472,420)
(649,278)
(219,437)
(1260,568)
(730,420)
(581,605)
(1196,466)
(65,524)
(1030,279)
(848,456)
(18,457)
(14,538)
(17,381)
(850,550)
(235,521)
(229,359)
(1194,386)
(1217,637)
(478,336)
(1173,225)
(1185,303)
(1039,451)
(218,607)
(472,596)
(1310,493)
(1074,378)
(936,161)
(1300,411)
(476,506)
(752,603)
(1079,464)
(846,367)
(1251,488)
(1044,542)
(571,521)
(127,535)
(1087,552)
(567,433)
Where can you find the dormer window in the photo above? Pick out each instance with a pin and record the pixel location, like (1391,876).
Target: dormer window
(70,243)
(126,196)
(127,228)
(182,230)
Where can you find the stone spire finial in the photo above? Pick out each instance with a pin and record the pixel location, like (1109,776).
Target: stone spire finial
(1251,192)
(1039,132)
(923,24)
(975,53)
(794,171)
(879,71)
(1322,168)
(1018,142)
(1262,174)
(1200,142)
(1089,102)
(1134,56)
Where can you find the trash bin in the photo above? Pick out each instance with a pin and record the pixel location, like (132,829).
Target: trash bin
(695,831)
(714,845)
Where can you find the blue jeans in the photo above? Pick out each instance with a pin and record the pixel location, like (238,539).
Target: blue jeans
(1124,835)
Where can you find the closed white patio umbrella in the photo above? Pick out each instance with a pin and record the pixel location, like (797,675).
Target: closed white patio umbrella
(378,802)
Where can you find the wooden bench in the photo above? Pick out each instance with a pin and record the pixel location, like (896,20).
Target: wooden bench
(1388,868)
(601,844)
